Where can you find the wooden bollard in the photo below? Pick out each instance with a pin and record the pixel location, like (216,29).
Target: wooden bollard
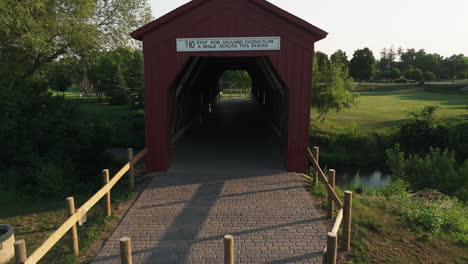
(74,231)
(105,180)
(332,245)
(131,171)
(316,157)
(331,181)
(125,250)
(228,249)
(20,251)
(347,216)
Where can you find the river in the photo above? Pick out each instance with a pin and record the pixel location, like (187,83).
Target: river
(367,177)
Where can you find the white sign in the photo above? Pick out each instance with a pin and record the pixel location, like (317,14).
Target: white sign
(228,44)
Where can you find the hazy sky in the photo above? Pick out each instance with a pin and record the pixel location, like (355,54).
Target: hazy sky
(439,26)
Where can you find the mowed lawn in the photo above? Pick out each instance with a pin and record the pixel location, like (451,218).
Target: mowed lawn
(383,110)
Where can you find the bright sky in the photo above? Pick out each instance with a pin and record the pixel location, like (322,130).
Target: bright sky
(439,26)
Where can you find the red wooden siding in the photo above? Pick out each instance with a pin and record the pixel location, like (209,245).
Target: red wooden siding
(226,18)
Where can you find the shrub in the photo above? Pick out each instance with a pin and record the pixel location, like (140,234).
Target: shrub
(46,147)
(437,170)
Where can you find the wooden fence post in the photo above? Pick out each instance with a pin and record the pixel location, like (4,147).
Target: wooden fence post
(125,250)
(74,231)
(332,244)
(20,251)
(131,171)
(331,180)
(347,215)
(228,249)
(316,157)
(105,179)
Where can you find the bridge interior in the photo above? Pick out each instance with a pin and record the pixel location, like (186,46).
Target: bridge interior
(239,135)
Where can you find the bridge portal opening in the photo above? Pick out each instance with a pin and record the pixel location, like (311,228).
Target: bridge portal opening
(228,112)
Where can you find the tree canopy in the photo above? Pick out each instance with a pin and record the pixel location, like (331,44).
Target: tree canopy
(362,65)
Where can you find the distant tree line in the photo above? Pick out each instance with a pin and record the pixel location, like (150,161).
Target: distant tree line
(399,65)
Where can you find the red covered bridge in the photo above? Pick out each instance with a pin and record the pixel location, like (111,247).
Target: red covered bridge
(187,50)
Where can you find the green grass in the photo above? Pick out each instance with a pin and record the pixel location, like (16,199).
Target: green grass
(126,124)
(387,109)
(380,235)
(35,219)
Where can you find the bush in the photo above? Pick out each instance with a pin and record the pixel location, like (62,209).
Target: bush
(437,170)
(428,216)
(46,147)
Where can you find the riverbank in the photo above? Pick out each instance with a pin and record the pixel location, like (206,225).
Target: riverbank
(392,225)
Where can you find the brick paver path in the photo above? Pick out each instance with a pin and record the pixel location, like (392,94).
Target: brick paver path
(226,178)
(182,218)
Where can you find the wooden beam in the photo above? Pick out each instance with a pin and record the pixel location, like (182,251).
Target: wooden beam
(68,224)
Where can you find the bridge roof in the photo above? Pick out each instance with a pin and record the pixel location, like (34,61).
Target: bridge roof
(274,10)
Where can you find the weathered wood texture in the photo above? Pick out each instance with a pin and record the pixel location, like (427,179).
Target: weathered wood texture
(331,181)
(228,241)
(74,230)
(20,251)
(332,246)
(348,201)
(105,179)
(324,180)
(125,250)
(73,219)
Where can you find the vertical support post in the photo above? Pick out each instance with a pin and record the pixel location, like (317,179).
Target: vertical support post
(105,180)
(74,231)
(347,215)
(125,250)
(228,249)
(316,157)
(20,251)
(131,171)
(331,180)
(332,245)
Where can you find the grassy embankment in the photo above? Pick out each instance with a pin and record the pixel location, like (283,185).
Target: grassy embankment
(34,219)
(391,225)
(358,136)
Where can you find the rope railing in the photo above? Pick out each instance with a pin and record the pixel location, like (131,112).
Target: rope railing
(75,216)
(344,213)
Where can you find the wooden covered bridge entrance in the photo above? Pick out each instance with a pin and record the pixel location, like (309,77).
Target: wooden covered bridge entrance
(187,50)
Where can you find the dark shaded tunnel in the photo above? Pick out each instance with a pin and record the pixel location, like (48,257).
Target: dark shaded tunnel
(210,133)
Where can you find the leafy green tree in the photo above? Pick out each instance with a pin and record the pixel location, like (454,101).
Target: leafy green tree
(429,76)
(118,95)
(62,75)
(395,73)
(418,75)
(37,32)
(362,65)
(339,57)
(320,67)
(136,80)
(334,93)
(414,74)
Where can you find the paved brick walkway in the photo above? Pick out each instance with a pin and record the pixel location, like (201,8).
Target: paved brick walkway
(226,178)
(182,218)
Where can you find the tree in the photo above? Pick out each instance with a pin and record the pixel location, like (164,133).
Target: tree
(362,65)
(136,80)
(335,93)
(429,76)
(395,73)
(118,95)
(61,75)
(340,57)
(37,32)
(414,74)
